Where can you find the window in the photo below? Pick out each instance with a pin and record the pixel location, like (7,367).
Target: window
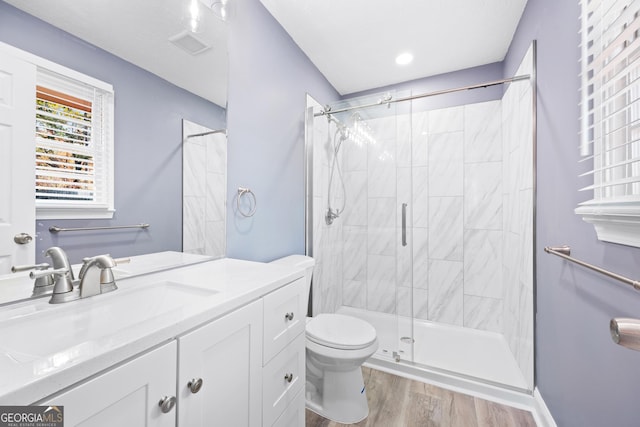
(611,118)
(74,147)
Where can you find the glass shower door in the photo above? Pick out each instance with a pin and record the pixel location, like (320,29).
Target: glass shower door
(361,208)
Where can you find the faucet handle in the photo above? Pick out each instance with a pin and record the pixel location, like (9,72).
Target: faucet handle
(44,273)
(20,268)
(43,283)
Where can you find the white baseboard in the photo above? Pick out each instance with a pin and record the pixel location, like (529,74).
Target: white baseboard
(541,412)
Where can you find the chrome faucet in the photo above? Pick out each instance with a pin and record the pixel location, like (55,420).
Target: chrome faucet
(96,276)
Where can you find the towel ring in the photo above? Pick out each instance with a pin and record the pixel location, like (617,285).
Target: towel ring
(244,191)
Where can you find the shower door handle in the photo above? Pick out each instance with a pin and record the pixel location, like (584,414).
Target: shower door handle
(404,224)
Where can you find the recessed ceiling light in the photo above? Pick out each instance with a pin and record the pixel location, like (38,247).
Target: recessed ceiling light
(404,58)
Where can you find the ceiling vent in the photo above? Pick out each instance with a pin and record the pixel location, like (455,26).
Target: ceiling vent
(188,42)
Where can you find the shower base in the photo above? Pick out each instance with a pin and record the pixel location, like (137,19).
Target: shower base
(462,356)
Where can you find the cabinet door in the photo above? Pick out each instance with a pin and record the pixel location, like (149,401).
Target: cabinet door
(127,395)
(226,355)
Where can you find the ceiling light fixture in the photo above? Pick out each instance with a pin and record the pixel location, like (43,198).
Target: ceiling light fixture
(219,7)
(404,58)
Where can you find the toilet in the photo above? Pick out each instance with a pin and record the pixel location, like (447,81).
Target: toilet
(336,347)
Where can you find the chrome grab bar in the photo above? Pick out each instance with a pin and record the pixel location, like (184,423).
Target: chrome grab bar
(404,224)
(565,252)
(56,229)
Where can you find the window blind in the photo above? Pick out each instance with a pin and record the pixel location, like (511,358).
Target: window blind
(610,98)
(72,153)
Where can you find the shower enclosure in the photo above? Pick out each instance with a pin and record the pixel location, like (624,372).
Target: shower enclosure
(421,219)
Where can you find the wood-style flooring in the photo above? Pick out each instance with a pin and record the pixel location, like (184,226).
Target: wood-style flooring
(400,402)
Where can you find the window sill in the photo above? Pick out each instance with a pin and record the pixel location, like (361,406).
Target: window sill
(74,213)
(613,222)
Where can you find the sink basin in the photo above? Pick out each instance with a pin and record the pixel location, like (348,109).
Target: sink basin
(31,332)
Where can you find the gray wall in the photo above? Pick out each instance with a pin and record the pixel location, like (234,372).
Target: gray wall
(148,143)
(269,77)
(584,378)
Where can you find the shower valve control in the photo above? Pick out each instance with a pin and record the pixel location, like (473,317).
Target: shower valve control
(289,316)
(288,377)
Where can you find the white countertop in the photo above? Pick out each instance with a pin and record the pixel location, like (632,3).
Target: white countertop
(81,338)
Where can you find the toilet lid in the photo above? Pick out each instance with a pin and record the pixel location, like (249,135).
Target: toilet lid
(340,331)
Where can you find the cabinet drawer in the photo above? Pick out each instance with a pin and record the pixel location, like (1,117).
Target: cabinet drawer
(284,317)
(282,379)
(294,415)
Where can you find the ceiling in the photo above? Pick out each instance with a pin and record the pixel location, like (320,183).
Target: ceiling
(138,31)
(354,42)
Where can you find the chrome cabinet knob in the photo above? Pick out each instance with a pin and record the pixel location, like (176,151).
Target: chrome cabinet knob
(167,403)
(288,377)
(22,238)
(195,385)
(289,316)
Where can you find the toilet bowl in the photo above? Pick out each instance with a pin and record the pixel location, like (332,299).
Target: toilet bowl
(336,347)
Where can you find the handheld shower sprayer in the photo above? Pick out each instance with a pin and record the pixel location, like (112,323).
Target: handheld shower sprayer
(334,213)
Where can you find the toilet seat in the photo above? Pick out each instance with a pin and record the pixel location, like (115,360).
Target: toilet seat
(340,332)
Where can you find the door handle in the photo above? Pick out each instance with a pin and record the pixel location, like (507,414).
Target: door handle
(404,224)
(22,238)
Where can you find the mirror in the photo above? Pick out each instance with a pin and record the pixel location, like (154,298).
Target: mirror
(156,36)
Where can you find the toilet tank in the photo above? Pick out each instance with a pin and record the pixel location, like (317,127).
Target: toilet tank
(300,261)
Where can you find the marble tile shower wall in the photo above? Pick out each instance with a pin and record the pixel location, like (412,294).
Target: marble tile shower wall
(518,196)
(452,158)
(457,208)
(204,189)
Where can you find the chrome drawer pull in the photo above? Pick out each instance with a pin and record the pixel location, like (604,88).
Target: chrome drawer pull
(195,385)
(288,377)
(289,316)
(167,403)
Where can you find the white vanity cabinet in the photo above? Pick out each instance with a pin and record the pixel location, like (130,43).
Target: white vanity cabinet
(284,356)
(219,371)
(127,395)
(245,368)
